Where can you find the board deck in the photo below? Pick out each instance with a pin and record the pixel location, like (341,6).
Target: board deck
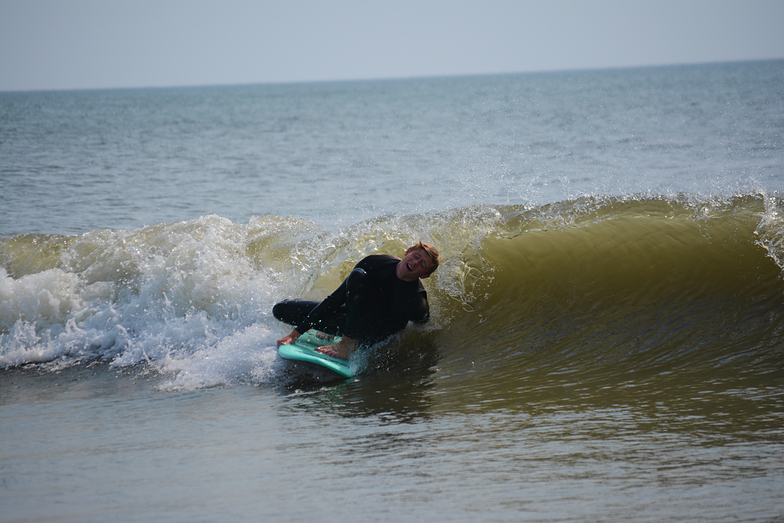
(304,349)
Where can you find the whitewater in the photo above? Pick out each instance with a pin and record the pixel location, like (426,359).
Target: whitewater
(606,335)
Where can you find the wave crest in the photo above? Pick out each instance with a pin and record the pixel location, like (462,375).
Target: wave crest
(599,276)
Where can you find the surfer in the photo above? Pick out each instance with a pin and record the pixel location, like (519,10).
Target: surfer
(380,296)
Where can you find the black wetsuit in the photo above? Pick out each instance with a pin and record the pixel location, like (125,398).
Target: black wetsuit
(370,305)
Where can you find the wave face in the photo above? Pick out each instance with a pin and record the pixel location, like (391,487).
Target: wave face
(587,289)
(644,291)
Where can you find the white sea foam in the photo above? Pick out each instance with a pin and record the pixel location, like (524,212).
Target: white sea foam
(246,356)
(183,298)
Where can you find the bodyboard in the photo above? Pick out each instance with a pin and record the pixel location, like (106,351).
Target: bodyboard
(304,349)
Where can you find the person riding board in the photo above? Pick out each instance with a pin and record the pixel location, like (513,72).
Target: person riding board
(380,296)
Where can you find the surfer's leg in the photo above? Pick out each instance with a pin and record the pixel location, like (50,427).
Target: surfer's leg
(365,308)
(358,304)
(295,311)
(341,349)
(356,288)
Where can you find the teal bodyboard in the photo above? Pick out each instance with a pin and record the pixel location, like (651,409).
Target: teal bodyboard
(304,349)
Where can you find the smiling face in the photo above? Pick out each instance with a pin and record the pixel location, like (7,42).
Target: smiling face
(415,265)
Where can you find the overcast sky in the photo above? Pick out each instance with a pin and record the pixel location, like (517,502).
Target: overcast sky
(73,44)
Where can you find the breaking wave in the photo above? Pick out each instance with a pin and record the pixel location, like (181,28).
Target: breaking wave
(582,286)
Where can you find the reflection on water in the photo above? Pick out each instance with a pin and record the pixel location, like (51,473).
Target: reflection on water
(687,454)
(412,439)
(395,387)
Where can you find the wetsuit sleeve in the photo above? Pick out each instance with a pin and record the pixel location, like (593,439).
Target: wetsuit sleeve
(374,265)
(419,310)
(329,307)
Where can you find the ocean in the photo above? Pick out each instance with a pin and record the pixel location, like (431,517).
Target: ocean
(606,339)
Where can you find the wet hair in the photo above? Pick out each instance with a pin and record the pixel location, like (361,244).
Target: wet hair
(431,252)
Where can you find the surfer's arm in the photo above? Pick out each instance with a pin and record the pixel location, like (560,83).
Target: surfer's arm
(420,310)
(413,307)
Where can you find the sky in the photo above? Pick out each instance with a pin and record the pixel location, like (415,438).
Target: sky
(87,44)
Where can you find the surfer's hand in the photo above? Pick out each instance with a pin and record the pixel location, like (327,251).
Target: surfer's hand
(288,340)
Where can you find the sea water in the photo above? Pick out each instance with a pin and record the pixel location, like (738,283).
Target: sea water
(606,340)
